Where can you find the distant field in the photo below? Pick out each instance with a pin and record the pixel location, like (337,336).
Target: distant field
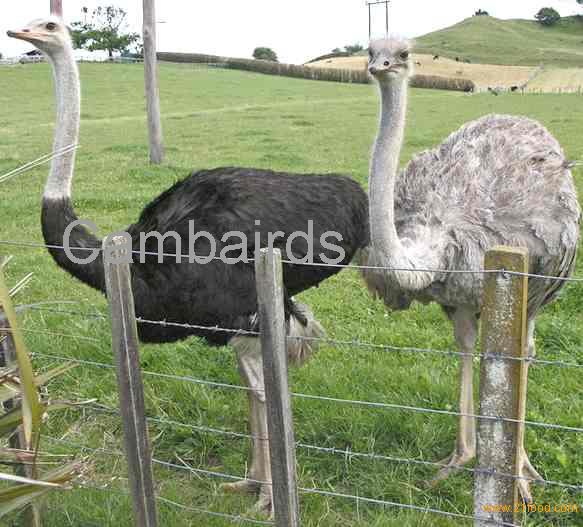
(489,40)
(222,117)
(483,75)
(552,79)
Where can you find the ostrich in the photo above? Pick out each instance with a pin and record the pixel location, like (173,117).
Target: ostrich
(499,180)
(269,205)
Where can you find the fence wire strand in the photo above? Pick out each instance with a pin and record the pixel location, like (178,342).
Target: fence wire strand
(191,257)
(354,402)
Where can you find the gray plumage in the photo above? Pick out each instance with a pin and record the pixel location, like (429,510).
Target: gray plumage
(500,180)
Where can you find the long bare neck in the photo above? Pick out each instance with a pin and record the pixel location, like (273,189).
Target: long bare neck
(68,97)
(383,175)
(57,210)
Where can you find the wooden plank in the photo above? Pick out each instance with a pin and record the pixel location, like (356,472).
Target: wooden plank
(269,277)
(130,384)
(151,83)
(502,385)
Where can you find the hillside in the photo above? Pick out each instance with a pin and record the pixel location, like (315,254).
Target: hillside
(488,40)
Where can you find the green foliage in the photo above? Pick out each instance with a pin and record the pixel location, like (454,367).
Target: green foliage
(548,16)
(353,49)
(22,409)
(481,12)
(263,53)
(106,30)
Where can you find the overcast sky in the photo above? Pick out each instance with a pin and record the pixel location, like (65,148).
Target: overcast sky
(297,30)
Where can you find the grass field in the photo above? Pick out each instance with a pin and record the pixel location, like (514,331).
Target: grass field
(214,118)
(489,40)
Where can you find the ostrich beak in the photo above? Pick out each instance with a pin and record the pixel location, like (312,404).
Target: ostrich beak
(24,34)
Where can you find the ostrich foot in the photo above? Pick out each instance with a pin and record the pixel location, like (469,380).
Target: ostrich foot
(264,505)
(529,473)
(453,463)
(245,486)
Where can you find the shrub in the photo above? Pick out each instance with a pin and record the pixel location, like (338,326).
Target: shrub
(265,54)
(548,16)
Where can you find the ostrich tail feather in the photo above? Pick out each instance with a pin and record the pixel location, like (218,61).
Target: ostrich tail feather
(301,348)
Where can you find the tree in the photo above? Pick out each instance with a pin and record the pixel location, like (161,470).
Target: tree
(548,16)
(106,29)
(354,48)
(263,53)
(481,12)
(336,50)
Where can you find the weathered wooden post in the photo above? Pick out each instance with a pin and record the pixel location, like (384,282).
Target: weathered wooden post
(129,378)
(151,83)
(269,277)
(57,7)
(503,382)
(30,516)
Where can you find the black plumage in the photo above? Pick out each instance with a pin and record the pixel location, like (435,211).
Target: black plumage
(219,201)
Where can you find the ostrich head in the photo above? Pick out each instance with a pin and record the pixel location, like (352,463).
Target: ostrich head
(47,34)
(389,59)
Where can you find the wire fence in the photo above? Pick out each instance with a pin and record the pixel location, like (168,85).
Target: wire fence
(322,449)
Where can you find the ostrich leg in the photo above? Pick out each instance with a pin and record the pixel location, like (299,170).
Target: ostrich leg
(466,331)
(251,370)
(525,468)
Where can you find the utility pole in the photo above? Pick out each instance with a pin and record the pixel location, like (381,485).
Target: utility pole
(151,83)
(57,8)
(378,2)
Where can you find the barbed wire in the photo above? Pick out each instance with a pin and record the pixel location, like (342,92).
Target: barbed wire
(325,340)
(180,256)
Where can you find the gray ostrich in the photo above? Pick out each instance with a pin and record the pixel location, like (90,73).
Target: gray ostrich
(500,180)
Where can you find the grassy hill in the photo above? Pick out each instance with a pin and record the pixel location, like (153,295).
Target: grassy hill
(488,40)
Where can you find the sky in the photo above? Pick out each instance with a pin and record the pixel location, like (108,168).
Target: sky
(298,30)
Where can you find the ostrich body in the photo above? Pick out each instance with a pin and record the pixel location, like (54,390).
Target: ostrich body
(252,202)
(499,180)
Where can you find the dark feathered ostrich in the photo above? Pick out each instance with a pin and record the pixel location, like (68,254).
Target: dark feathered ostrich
(216,201)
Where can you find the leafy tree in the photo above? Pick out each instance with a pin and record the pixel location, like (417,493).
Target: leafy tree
(354,48)
(481,12)
(263,53)
(548,16)
(336,50)
(106,29)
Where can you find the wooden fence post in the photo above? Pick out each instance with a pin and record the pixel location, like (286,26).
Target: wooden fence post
(151,83)
(30,515)
(503,384)
(130,385)
(269,277)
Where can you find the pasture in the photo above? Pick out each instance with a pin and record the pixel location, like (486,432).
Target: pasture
(217,118)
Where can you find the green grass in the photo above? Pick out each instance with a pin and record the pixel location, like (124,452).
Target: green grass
(489,40)
(214,118)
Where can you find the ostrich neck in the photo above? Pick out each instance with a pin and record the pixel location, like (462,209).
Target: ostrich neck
(383,175)
(67,126)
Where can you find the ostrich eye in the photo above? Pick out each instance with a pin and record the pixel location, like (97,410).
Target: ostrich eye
(51,26)
(404,55)
(387,63)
